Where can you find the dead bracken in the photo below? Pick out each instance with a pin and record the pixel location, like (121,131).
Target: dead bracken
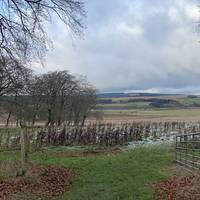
(185,188)
(44,181)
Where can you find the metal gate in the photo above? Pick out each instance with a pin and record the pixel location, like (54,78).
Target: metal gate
(188,151)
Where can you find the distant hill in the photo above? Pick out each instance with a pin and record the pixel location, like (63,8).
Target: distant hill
(121,94)
(112,95)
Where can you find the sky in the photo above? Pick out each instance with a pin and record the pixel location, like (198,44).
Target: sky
(133,46)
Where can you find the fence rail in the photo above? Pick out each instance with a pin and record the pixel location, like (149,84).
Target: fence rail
(188,150)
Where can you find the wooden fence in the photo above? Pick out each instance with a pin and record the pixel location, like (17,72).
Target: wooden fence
(188,150)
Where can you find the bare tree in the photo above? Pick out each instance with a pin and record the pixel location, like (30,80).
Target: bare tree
(83,101)
(22,33)
(56,87)
(12,76)
(55,97)
(19,97)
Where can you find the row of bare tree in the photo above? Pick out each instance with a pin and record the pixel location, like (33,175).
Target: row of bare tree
(55,97)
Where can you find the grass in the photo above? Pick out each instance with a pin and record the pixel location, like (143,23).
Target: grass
(124,176)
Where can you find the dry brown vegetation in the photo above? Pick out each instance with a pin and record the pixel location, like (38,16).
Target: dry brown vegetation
(43,181)
(185,188)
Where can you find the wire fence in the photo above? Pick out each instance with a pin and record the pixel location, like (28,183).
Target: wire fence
(188,150)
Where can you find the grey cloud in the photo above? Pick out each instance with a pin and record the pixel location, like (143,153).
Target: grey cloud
(133,45)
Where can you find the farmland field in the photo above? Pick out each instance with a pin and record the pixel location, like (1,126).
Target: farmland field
(182,114)
(179,107)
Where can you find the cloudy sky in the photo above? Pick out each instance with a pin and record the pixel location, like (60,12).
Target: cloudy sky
(133,45)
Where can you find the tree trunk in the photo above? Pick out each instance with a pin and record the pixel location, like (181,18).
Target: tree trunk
(8,119)
(49,117)
(83,121)
(27,145)
(70,117)
(76,121)
(60,115)
(33,119)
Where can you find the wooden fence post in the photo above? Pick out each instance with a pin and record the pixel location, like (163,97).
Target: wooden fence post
(23,153)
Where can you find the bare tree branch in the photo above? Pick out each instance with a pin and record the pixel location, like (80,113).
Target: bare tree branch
(22,33)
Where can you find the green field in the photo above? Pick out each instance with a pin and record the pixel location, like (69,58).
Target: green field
(127,175)
(190,101)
